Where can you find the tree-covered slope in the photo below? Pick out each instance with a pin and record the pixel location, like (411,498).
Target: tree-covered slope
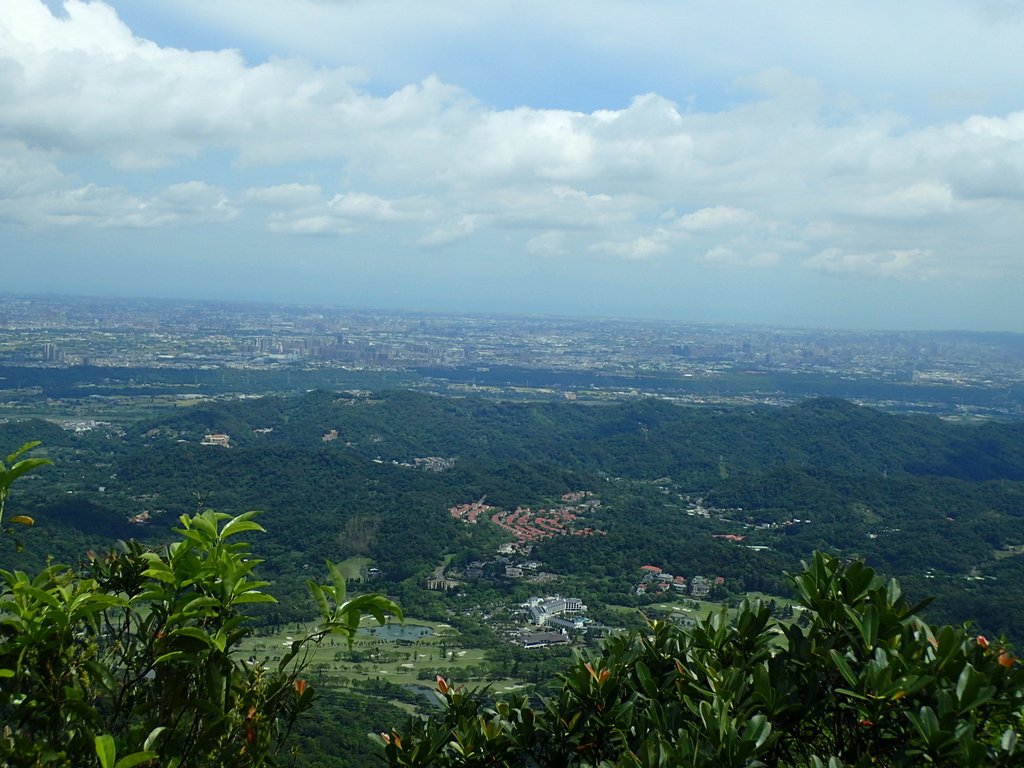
(939,504)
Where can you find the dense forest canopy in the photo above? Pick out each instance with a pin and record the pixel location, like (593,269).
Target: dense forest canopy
(939,504)
(744,494)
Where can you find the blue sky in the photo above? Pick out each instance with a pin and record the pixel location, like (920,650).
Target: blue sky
(820,164)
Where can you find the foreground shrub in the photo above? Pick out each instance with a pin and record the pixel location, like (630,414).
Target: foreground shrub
(134,657)
(860,680)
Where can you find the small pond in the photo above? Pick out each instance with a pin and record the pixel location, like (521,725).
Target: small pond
(400,631)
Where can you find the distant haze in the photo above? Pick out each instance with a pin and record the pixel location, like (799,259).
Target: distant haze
(819,164)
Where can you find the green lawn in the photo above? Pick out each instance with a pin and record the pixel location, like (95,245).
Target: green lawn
(375,658)
(697,609)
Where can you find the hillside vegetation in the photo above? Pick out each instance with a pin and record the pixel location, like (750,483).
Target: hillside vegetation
(862,682)
(939,504)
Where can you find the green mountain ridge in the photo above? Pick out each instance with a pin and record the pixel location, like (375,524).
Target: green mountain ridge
(938,504)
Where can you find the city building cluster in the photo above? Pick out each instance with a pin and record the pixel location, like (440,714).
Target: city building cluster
(654,579)
(67,331)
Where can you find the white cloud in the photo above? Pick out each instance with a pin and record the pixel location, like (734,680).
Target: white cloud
(301,210)
(918,200)
(25,172)
(638,249)
(35,193)
(448,233)
(547,245)
(359,206)
(1010,128)
(796,155)
(284,195)
(714,219)
(649,40)
(109,207)
(303,224)
(902,264)
(85,84)
(722,256)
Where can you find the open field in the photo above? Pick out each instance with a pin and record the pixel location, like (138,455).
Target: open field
(117,409)
(697,609)
(406,654)
(355,568)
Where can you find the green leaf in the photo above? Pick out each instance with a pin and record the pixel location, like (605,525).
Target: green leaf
(102,673)
(193,632)
(852,694)
(892,592)
(106,750)
(844,667)
(319,598)
(376,605)
(135,759)
(200,602)
(219,640)
(23,450)
(160,573)
(42,595)
(758,729)
(174,656)
(153,736)
(970,689)
(207,523)
(338,580)
(254,597)
(926,722)
(240,524)
(23,466)
(1009,741)
(869,627)
(643,674)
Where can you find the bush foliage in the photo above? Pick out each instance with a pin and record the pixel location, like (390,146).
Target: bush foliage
(859,680)
(133,657)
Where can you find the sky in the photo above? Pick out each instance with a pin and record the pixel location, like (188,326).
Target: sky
(842,164)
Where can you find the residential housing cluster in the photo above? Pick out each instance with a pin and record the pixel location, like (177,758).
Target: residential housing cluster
(655,579)
(486,352)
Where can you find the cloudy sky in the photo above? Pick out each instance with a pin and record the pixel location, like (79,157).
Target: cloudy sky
(845,164)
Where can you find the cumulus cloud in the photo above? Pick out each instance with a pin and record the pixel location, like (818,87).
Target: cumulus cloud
(308,224)
(284,195)
(713,219)
(638,249)
(547,244)
(451,231)
(722,256)
(26,172)
(359,206)
(85,83)
(904,264)
(35,192)
(301,210)
(784,167)
(918,200)
(109,207)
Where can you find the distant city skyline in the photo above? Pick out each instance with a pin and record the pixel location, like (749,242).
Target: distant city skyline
(846,165)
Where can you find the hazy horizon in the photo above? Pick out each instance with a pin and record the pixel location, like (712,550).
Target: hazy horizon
(241,303)
(847,166)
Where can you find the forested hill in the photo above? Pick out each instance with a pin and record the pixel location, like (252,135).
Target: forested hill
(647,438)
(939,504)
